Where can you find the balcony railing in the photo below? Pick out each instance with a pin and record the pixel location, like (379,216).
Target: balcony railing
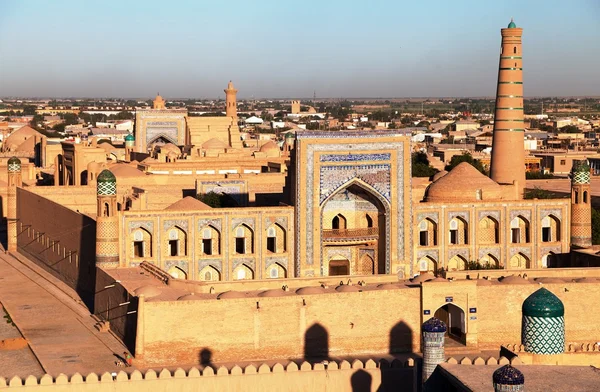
(333,234)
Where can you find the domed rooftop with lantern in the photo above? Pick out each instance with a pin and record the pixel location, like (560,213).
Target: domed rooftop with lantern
(512,24)
(508,375)
(434,325)
(129,138)
(543,303)
(106,176)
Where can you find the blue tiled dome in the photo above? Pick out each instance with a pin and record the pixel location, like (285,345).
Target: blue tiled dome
(129,138)
(543,303)
(434,325)
(508,375)
(512,24)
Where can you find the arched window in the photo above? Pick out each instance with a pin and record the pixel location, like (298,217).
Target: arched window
(338,222)
(142,243)
(458,233)
(576,196)
(369,220)
(276,239)
(488,231)
(208,275)
(585,196)
(106,213)
(550,229)
(244,240)
(515,50)
(519,230)
(177,242)
(211,241)
(428,233)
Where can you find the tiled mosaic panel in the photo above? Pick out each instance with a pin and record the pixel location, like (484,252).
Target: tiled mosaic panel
(332,177)
(433,352)
(543,335)
(14,167)
(354,157)
(581,177)
(508,388)
(107,188)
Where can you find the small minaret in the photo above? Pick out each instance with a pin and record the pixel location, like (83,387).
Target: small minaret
(543,324)
(507,164)
(230,101)
(434,331)
(508,379)
(289,141)
(14,180)
(107,222)
(581,206)
(129,145)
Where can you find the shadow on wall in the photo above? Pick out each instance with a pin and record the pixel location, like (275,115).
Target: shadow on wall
(205,357)
(401,337)
(361,381)
(316,343)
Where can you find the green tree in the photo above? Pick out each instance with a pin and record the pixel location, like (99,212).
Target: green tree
(465,157)
(28,110)
(420,165)
(537,193)
(211,199)
(538,175)
(569,129)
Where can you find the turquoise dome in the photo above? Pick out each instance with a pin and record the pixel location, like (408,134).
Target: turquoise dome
(543,303)
(512,25)
(106,176)
(130,138)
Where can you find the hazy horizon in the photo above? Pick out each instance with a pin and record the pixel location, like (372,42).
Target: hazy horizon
(274,50)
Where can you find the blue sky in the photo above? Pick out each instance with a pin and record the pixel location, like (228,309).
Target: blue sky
(291,48)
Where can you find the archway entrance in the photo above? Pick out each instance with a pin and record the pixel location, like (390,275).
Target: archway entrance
(339,267)
(454,317)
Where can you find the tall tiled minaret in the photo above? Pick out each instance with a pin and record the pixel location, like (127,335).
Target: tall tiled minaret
(581,205)
(14,181)
(107,221)
(230,101)
(508,150)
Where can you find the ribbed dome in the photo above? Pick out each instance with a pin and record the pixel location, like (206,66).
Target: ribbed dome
(130,138)
(106,176)
(434,325)
(512,24)
(543,303)
(508,375)
(463,183)
(14,161)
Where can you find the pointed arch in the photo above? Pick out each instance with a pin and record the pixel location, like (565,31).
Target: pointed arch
(339,222)
(210,241)
(519,230)
(276,271)
(366,265)
(177,273)
(550,228)
(176,242)
(488,231)
(457,263)
(489,260)
(244,239)
(141,243)
(519,261)
(210,274)
(427,264)
(458,232)
(427,232)
(276,239)
(243,272)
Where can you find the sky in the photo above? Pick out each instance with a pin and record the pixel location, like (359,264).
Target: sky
(292,49)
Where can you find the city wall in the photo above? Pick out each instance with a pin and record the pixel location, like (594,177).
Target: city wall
(294,326)
(59,239)
(369,376)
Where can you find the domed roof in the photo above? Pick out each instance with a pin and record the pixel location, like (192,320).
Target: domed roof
(388,286)
(549,280)
(310,290)
(129,138)
(189,297)
(231,294)
(14,161)
(512,279)
(170,147)
(270,145)
(345,288)
(123,170)
(438,175)
(586,280)
(439,279)
(512,24)
(215,144)
(508,375)
(463,183)
(106,176)
(434,325)
(423,278)
(188,203)
(543,303)
(484,282)
(147,291)
(274,293)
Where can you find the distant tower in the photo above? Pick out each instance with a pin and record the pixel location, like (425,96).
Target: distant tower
(508,379)
(230,101)
(290,137)
(581,207)
(434,332)
(107,222)
(129,145)
(159,102)
(295,107)
(14,181)
(508,150)
(543,323)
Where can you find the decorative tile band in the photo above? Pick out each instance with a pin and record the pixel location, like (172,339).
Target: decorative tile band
(354,157)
